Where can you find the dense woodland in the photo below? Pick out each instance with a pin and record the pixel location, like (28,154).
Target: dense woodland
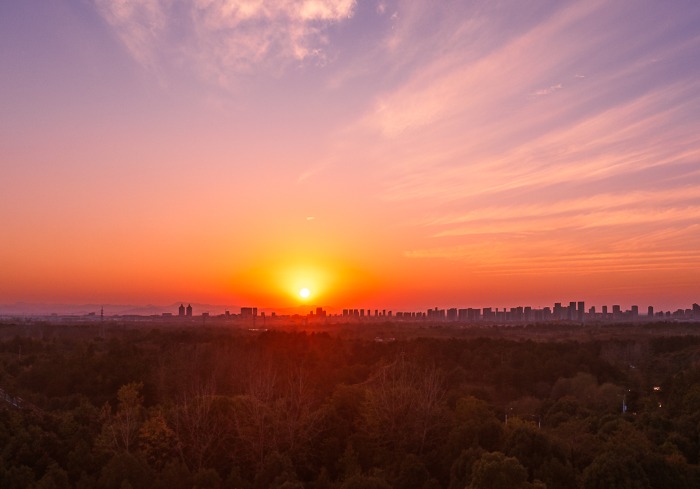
(209,408)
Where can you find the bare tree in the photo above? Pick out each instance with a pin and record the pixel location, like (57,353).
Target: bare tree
(403,406)
(277,414)
(120,430)
(201,424)
(296,412)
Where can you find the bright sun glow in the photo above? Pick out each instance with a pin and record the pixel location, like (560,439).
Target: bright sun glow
(304,293)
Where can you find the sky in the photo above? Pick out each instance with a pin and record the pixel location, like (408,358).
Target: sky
(382,154)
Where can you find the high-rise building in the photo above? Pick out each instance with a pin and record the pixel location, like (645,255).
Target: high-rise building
(581,311)
(546,314)
(249,312)
(650,311)
(558,311)
(189,311)
(181,310)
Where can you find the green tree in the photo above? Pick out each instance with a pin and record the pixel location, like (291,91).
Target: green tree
(16,477)
(496,471)
(174,475)
(157,441)
(461,470)
(476,426)
(528,444)
(206,479)
(126,468)
(412,473)
(275,471)
(613,470)
(55,478)
(360,481)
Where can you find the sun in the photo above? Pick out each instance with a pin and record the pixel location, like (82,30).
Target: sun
(304,293)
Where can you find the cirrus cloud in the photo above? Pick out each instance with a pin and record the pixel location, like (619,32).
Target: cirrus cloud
(219,39)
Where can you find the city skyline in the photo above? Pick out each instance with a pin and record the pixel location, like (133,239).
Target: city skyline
(367,152)
(563,310)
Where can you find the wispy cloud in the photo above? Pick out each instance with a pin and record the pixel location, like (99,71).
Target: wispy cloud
(566,251)
(683,197)
(224,38)
(500,173)
(139,24)
(465,125)
(548,90)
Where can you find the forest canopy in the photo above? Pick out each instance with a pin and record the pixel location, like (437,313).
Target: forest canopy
(233,408)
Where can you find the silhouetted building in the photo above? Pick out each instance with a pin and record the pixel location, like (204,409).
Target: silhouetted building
(434,314)
(188,312)
(547,314)
(558,311)
(617,312)
(574,311)
(181,311)
(249,312)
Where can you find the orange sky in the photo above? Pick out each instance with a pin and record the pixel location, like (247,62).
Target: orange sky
(396,155)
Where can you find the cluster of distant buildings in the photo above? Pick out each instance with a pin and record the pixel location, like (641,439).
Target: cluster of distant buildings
(186,312)
(573,312)
(246,313)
